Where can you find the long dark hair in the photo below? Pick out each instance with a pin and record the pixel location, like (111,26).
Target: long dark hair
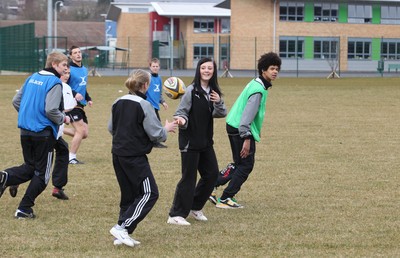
(213,83)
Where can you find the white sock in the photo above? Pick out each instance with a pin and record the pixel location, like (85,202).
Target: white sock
(72,156)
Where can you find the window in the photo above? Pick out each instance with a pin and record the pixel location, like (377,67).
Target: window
(225,25)
(359,49)
(326,48)
(326,12)
(291,11)
(203,25)
(360,13)
(291,47)
(200,51)
(391,49)
(390,14)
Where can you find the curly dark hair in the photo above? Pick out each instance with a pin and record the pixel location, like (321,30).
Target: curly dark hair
(268,59)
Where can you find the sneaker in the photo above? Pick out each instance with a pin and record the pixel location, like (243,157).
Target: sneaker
(75,162)
(228,203)
(19,214)
(159,145)
(226,171)
(13,190)
(118,242)
(122,235)
(213,197)
(3,180)
(178,220)
(198,215)
(59,194)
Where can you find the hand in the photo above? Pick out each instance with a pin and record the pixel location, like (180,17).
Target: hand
(170,127)
(214,97)
(78,97)
(165,105)
(90,103)
(180,120)
(67,120)
(245,149)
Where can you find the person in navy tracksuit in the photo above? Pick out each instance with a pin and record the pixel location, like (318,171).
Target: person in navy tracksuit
(135,128)
(39,104)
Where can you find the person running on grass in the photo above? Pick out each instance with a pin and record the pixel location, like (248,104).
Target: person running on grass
(40,113)
(134,127)
(79,121)
(243,125)
(60,170)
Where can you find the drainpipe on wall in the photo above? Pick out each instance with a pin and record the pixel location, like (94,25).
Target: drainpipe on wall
(274,36)
(171,68)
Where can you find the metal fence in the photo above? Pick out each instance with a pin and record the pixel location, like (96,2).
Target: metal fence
(21,51)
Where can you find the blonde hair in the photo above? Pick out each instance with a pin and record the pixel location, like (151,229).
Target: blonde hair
(137,80)
(55,57)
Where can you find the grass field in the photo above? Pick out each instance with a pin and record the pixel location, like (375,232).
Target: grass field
(325,183)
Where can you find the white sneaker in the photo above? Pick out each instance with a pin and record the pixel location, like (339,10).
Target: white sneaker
(178,220)
(198,215)
(117,242)
(122,235)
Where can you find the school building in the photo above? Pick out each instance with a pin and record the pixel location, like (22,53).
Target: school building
(308,35)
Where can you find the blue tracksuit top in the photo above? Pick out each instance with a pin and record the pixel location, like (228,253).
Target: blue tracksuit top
(32,114)
(154,91)
(78,81)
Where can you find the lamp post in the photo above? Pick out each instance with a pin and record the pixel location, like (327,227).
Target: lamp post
(55,21)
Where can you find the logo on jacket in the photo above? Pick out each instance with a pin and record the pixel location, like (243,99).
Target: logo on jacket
(83,82)
(157,88)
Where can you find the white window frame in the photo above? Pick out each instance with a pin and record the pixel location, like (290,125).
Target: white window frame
(359,49)
(287,52)
(390,14)
(358,13)
(203,25)
(329,48)
(298,14)
(204,51)
(329,12)
(390,49)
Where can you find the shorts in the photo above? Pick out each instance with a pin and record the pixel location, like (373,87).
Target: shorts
(77,114)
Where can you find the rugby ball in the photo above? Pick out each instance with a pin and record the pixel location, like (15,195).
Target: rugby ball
(174,87)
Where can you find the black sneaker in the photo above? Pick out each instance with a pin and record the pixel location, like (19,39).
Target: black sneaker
(59,194)
(159,145)
(24,215)
(3,180)
(75,162)
(213,197)
(13,190)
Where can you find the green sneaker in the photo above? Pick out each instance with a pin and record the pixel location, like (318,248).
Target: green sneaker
(228,203)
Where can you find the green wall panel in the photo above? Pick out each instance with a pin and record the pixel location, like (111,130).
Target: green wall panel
(343,13)
(376,14)
(308,47)
(309,12)
(376,48)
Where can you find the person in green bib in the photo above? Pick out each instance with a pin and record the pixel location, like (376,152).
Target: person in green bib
(243,125)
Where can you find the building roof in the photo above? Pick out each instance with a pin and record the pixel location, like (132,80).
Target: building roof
(149,1)
(205,8)
(190,9)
